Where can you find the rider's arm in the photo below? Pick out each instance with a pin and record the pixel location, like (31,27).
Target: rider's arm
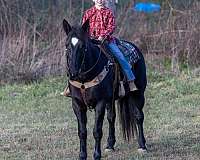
(110,25)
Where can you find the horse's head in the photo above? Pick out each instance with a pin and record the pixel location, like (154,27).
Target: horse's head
(77,42)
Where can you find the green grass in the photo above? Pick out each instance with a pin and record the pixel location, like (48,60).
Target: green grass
(37,123)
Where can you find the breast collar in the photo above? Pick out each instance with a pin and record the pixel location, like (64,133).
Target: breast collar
(97,80)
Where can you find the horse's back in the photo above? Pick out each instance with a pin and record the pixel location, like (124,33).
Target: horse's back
(135,57)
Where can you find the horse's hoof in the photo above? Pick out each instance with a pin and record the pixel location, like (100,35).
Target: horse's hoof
(109,150)
(142,151)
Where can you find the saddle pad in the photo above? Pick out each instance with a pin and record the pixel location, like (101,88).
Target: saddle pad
(129,50)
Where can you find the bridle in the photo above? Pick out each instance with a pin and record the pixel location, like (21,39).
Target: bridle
(80,73)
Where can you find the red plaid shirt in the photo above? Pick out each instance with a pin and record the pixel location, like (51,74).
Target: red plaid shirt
(102,22)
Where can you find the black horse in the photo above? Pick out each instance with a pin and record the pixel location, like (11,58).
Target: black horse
(91,77)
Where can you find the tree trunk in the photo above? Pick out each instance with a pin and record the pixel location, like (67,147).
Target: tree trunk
(82,9)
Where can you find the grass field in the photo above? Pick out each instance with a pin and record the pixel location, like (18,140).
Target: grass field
(37,124)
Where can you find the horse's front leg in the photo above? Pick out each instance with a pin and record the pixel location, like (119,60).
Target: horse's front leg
(97,132)
(80,111)
(111,116)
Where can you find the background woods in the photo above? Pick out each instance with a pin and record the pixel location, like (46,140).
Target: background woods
(32,39)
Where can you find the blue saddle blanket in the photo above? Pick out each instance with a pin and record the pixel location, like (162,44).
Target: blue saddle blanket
(129,50)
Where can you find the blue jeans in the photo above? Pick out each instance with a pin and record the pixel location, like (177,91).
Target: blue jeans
(122,61)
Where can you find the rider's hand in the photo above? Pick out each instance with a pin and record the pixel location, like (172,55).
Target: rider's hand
(100,38)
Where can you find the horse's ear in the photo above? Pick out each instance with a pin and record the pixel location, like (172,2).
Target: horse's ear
(66,26)
(86,26)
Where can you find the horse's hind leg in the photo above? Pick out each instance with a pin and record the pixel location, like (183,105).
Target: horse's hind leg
(80,113)
(97,132)
(111,116)
(141,138)
(139,120)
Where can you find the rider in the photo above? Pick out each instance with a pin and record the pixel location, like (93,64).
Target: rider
(102,25)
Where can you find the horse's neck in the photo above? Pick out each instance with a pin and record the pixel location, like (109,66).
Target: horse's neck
(95,52)
(95,61)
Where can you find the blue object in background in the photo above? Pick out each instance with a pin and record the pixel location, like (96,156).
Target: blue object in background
(147,7)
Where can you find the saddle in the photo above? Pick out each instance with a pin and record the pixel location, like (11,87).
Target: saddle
(131,53)
(128,49)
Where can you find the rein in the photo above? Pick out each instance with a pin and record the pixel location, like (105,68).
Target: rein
(89,70)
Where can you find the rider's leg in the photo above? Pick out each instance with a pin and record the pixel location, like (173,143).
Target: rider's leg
(124,65)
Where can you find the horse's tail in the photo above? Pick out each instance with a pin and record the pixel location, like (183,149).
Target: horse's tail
(127,116)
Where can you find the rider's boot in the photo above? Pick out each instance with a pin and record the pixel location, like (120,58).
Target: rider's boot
(132,85)
(66,92)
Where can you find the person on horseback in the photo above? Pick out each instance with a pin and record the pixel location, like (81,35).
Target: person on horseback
(102,25)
